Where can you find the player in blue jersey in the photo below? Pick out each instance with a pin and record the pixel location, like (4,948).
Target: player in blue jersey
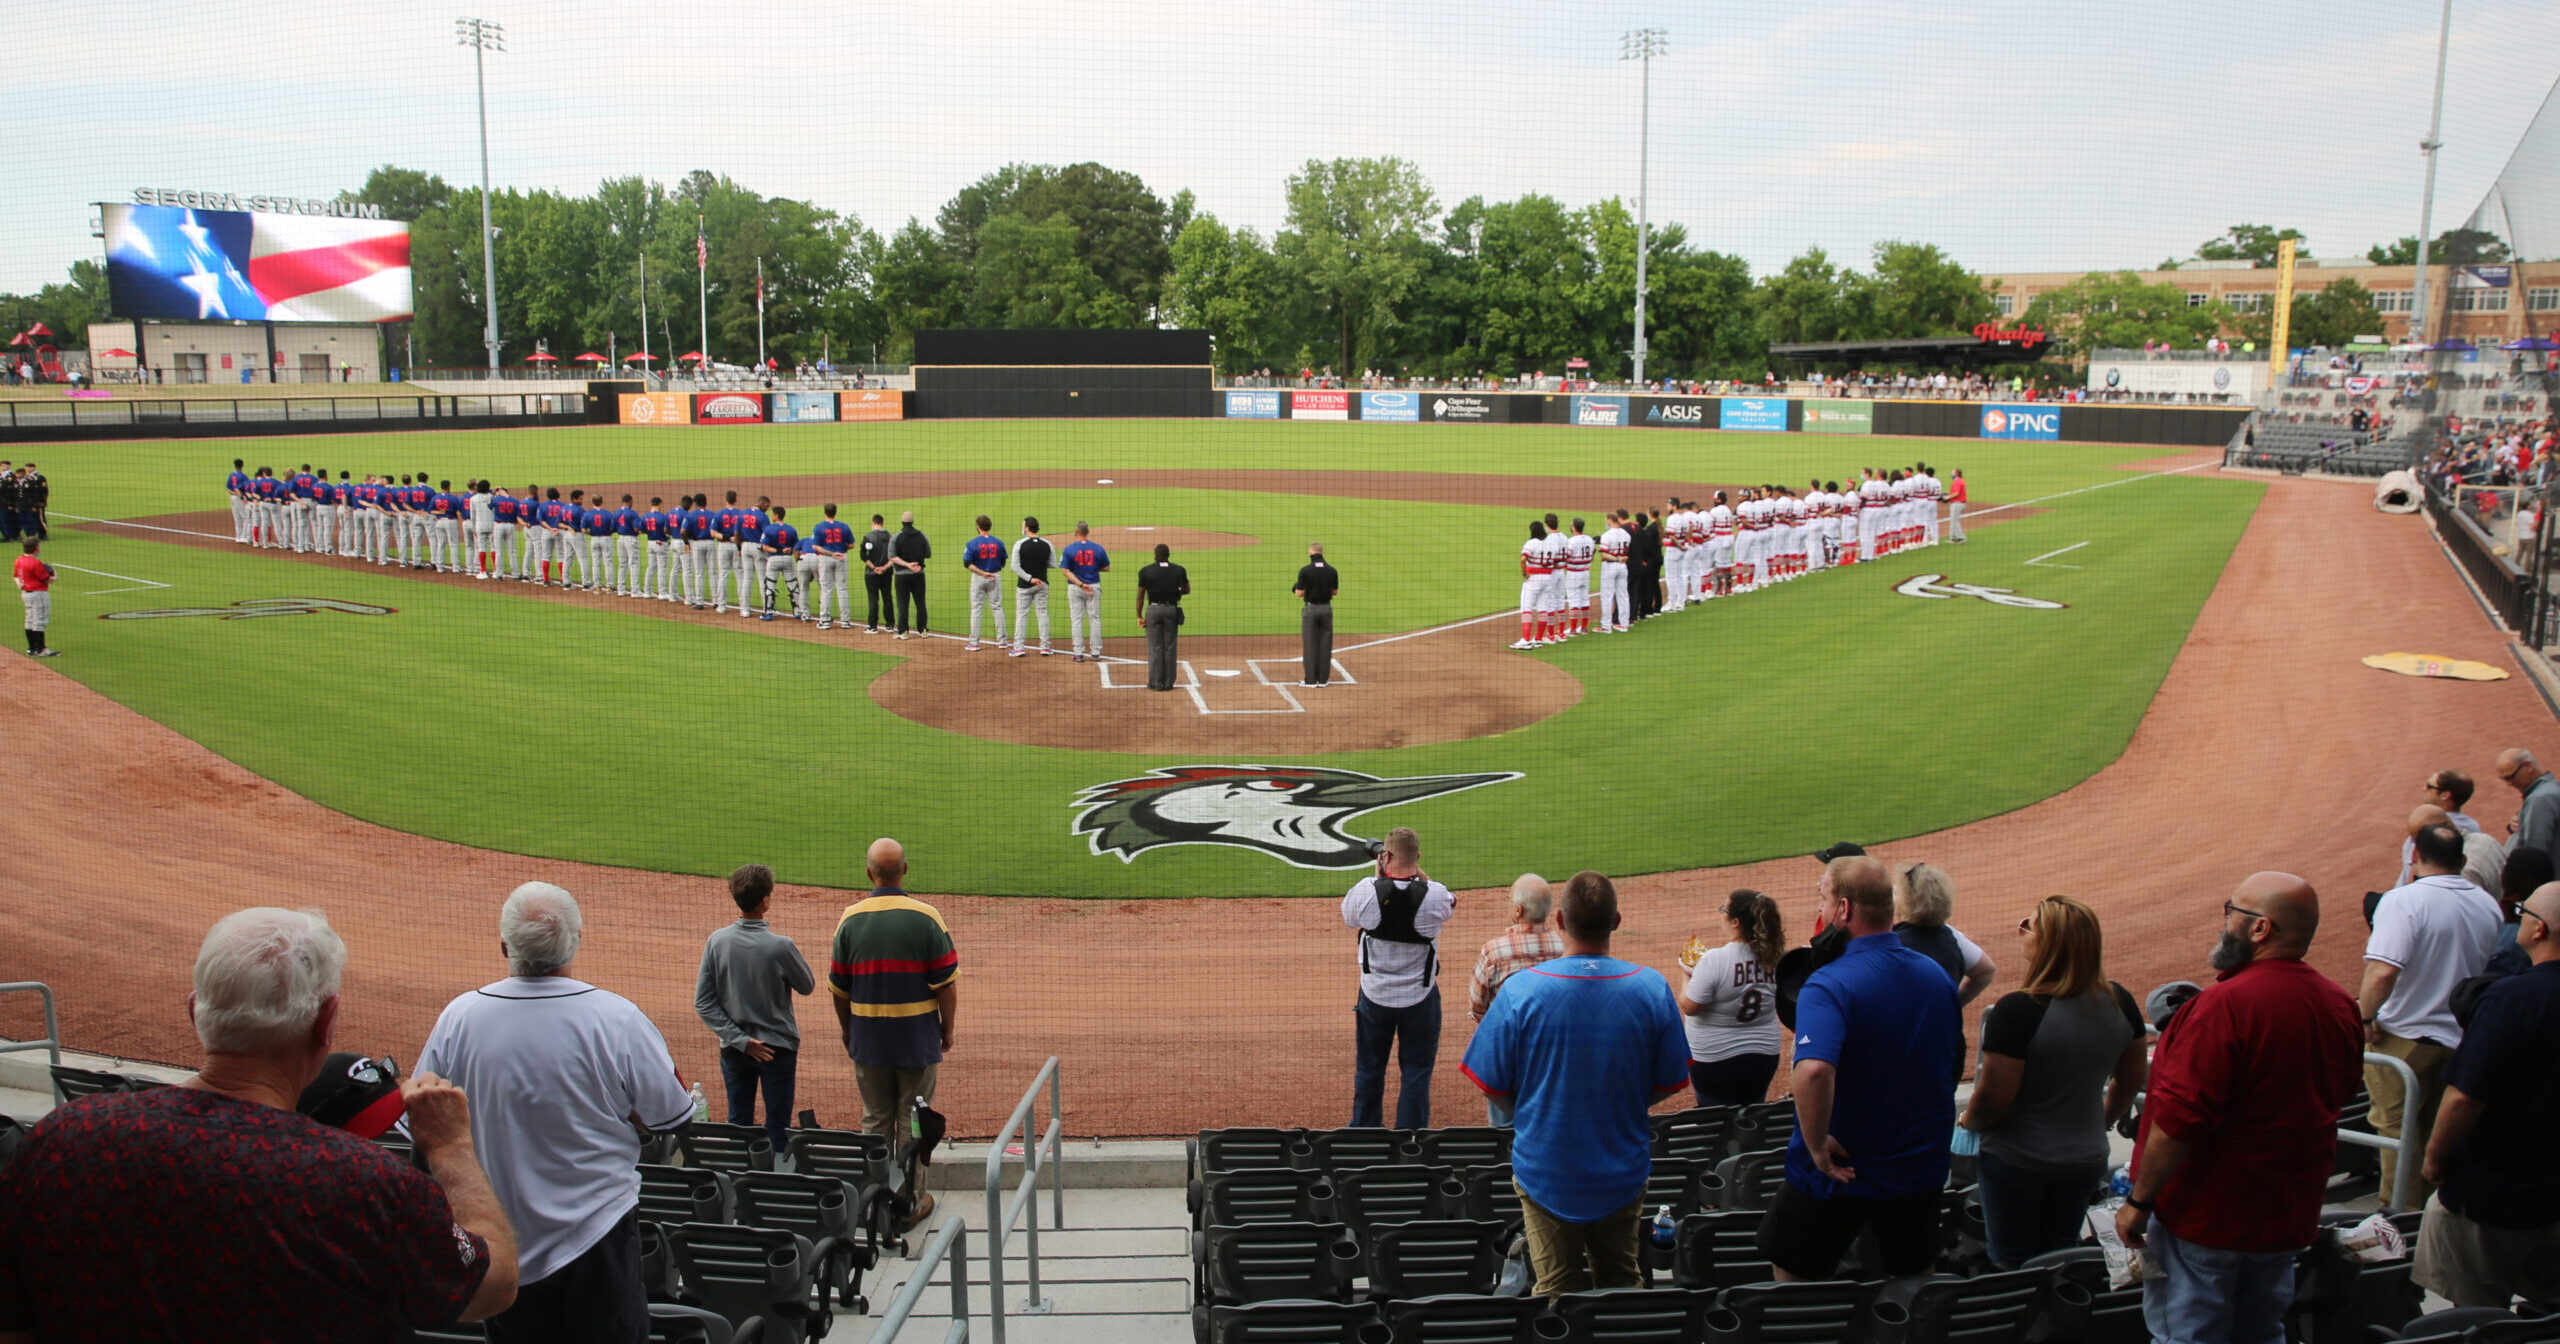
(749,524)
(236,487)
(780,544)
(804,576)
(597,523)
(324,513)
(835,544)
(654,536)
(1084,560)
(298,507)
(700,545)
(983,558)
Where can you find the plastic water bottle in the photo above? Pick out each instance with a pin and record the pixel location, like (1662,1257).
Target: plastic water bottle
(2120,1182)
(701,1106)
(1666,1229)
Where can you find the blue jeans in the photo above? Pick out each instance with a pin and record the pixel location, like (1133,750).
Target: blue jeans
(779,1076)
(2029,1211)
(2215,1297)
(1415,1034)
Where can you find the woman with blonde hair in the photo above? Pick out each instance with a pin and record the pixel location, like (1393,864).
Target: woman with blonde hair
(1923,898)
(1729,1005)
(2062,1058)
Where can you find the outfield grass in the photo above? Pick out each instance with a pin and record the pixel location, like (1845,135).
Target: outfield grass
(1768,725)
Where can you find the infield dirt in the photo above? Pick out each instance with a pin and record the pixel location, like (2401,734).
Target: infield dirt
(2268,746)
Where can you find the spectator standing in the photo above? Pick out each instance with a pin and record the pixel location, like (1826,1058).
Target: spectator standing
(896,979)
(2537,820)
(1396,914)
(743,993)
(563,1070)
(35,593)
(2240,1124)
(1582,1047)
(2492,1231)
(2451,790)
(1923,900)
(261,1223)
(2063,1057)
(2428,937)
(1526,943)
(1879,1043)
(1729,1006)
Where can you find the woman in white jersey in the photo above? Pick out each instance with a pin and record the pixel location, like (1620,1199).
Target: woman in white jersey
(1730,1006)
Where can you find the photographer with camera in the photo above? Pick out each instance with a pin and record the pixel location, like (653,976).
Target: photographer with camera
(1398,912)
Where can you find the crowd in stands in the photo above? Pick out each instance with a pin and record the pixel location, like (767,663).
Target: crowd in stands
(246,1202)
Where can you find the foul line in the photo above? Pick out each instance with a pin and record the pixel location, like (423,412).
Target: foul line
(137,585)
(147,527)
(2102,485)
(2039,560)
(1437,629)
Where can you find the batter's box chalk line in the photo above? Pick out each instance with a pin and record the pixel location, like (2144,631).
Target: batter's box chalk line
(1190,683)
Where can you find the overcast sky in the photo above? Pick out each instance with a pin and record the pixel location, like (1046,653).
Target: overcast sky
(2017,135)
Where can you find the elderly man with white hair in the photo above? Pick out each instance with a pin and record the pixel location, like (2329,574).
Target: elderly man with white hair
(567,1075)
(1529,940)
(214,1211)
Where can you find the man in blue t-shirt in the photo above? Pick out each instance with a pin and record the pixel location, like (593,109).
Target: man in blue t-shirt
(1582,1046)
(2492,1231)
(1879,1043)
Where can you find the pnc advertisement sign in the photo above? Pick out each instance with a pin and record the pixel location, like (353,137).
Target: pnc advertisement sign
(1253,405)
(1390,405)
(656,408)
(1763,413)
(872,404)
(1839,417)
(728,408)
(2039,423)
(1593,410)
(1334,405)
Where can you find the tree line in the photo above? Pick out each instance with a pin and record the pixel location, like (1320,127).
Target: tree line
(1369,270)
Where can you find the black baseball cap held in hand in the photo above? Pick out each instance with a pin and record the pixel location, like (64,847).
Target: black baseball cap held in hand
(356,1093)
(1846,849)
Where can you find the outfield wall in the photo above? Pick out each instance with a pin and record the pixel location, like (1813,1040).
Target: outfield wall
(2009,421)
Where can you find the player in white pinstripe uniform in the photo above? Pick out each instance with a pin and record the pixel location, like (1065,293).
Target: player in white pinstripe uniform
(1578,550)
(1616,613)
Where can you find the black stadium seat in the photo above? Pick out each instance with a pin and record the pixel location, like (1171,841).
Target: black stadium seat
(1466,1318)
(1430,1257)
(1363,1196)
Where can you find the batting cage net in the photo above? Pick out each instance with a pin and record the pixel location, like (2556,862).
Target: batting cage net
(1139,464)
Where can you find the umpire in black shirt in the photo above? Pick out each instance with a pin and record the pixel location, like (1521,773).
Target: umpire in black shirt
(907,553)
(1317,583)
(1161,588)
(875,573)
(1644,566)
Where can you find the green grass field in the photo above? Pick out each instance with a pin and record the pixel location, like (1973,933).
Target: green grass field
(1768,725)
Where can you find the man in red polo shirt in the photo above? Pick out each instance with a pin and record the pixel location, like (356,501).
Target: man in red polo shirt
(2241,1125)
(35,590)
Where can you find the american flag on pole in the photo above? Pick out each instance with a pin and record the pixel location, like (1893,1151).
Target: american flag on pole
(701,246)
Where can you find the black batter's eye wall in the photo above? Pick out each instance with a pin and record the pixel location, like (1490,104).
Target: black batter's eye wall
(1043,374)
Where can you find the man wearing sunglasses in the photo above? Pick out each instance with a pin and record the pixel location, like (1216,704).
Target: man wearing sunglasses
(2240,1126)
(2537,823)
(2492,1232)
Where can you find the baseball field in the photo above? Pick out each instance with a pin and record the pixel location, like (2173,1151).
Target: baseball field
(2137,681)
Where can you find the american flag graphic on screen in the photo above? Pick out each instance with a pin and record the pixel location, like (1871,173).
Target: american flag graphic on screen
(208,265)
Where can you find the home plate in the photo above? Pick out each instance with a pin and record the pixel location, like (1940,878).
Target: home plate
(1104,481)
(1224,672)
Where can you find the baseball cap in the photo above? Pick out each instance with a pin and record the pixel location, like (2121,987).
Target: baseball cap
(1846,849)
(2165,1001)
(356,1093)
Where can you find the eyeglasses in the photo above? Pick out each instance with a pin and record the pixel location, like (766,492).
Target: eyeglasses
(2272,927)
(2432,786)
(2547,925)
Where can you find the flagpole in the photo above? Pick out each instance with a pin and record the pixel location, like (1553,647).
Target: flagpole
(702,289)
(644,313)
(759,314)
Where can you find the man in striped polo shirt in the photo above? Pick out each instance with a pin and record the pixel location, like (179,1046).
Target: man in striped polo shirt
(896,982)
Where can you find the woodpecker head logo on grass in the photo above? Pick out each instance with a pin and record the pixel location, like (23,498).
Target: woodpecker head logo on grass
(1292,813)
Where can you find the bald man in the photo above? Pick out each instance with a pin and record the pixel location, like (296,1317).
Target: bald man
(2240,1126)
(2537,821)
(895,977)
(1530,939)
(2484,861)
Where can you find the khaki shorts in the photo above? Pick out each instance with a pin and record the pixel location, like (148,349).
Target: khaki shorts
(2475,1265)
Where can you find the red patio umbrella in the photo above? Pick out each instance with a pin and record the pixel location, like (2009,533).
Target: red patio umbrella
(591,357)
(694,355)
(539,358)
(117,354)
(638,358)
(39,329)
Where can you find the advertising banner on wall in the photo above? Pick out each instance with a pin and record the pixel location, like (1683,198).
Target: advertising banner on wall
(196,265)
(1671,413)
(1754,413)
(2041,423)
(2240,382)
(1253,405)
(1839,417)
(874,404)
(804,408)
(728,408)
(1597,410)
(1320,405)
(1390,405)
(656,408)
(1459,406)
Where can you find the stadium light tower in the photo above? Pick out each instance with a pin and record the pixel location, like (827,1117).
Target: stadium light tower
(483,37)
(2427,200)
(1643,44)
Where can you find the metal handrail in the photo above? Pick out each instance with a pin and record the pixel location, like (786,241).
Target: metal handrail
(1050,1152)
(52,1042)
(2404,1177)
(951,1240)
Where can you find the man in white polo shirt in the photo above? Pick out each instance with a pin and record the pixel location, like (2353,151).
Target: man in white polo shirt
(2428,937)
(560,1073)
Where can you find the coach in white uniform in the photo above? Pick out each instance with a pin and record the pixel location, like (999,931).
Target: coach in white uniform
(1615,613)
(558,1072)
